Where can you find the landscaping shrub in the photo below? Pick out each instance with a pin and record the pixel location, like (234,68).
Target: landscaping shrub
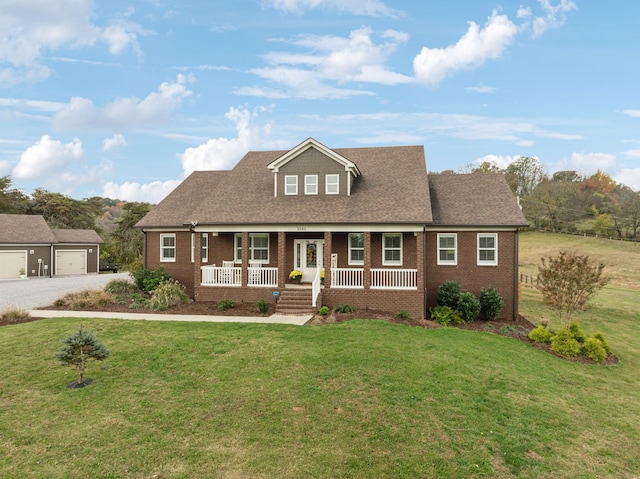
(564,344)
(603,340)
(84,299)
(324,311)
(402,314)
(541,335)
(14,315)
(79,348)
(449,293)
(344,308)
(149,279)
(468,306)
(594,349)
(491,303)
(577,332)
(225,304)
(263,306)
(167,294)
(120,286)
(445,315)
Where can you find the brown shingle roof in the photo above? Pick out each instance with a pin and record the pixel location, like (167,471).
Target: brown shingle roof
(77,236)
(478,199)
(393,188)
(25,229)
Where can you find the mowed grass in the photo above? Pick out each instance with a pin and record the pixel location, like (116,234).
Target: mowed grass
(353,400)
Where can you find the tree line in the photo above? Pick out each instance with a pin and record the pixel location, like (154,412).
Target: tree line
(568,201)
(112,219)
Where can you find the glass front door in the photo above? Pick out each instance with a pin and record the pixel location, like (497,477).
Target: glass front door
(309,256)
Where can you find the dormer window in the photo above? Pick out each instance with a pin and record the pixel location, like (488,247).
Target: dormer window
(291,185)
(310,184)
(332,184)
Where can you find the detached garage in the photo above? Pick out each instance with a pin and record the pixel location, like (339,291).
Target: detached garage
(27,243)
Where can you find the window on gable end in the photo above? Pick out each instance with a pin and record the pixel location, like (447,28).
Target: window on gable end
(487,249)
(310,184)
(291,185)
(332,184)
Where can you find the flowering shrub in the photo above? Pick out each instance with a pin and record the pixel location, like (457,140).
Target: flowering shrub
(295,274)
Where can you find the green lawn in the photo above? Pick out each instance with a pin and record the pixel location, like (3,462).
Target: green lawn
(363,399)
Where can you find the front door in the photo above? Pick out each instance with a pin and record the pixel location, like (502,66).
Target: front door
(308,257)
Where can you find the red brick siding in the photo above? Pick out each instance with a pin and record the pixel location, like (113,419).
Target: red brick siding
(180,270)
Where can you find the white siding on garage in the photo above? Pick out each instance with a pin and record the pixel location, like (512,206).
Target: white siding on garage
(11,262)
(71,262)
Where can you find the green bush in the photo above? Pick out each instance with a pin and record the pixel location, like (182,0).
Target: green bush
(594,349)
(603,340)
(120,286)
(445,315)
(564,344)
(324,310)
(491,303)
(403,315)
(468,306)
(344,308)
(577,332)
(225,304)
(263,306)
(541,335)
(149,279)
(449,294)
(167,294)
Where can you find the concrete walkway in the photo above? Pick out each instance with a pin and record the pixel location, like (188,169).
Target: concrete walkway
(273,319)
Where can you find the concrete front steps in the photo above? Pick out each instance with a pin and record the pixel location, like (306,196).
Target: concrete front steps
(295,301)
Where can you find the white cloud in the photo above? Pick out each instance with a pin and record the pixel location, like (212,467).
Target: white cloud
(153,192)
(113,142)
(588,163)
(629,177)
(432,65)
(5,167)
(501,160)
(37,105)
(632,153)
(224,153)
(47,157)
(29,28)
(329,62)
(124,113)
(554,16)
(481,89)
(373,8)
(632,113)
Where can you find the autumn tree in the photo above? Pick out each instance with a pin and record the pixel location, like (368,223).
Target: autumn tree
(12,200)
(126,242)
(569,281)
(61,211)
(524,174)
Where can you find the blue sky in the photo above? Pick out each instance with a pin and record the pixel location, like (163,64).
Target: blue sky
(124,99)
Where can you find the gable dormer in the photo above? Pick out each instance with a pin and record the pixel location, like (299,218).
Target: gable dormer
(312,169)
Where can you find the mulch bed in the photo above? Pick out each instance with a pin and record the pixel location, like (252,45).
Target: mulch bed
(518,329)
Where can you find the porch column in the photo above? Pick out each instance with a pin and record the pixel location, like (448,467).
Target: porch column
(245,259)
(420,260)
(366,280)
(328,248)
(197,260)
(282,259)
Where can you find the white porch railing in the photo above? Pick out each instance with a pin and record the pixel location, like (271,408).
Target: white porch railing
(266,277)
(394,278)
(219,276)
(315,289)
(347,278)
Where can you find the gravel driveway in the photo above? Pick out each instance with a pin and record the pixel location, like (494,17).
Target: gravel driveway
(38,292)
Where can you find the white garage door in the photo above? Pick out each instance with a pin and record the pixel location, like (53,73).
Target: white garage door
(71,262)
(11,262)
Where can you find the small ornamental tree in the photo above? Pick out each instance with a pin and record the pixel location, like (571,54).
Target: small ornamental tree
(569,281)
(80,348)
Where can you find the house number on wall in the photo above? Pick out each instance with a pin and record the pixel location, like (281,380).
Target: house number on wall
(302,228)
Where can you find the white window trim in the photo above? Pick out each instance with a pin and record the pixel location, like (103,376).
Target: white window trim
(163,247)
(351,261)
(205,248)
(493,262)
(295,184)
(384,249)
(335,183)
(307,184)
(193,247)
(238,250)
(454,262)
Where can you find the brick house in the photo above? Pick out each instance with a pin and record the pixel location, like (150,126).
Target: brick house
(28,245)
(383,232)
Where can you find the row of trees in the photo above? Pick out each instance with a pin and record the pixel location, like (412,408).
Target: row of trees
(569,201)
(113,220)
